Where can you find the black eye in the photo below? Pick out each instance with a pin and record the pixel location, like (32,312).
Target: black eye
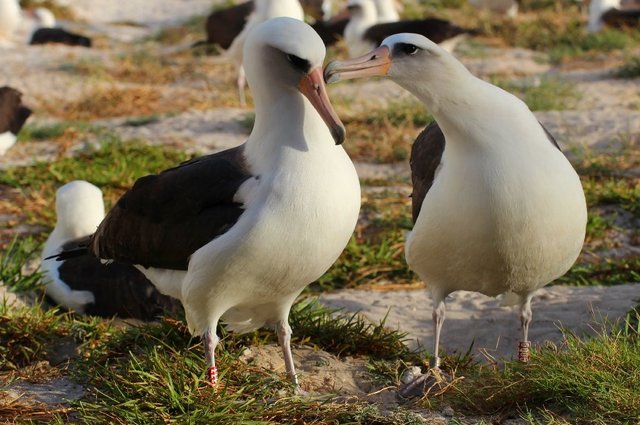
(408,49)
(299,63)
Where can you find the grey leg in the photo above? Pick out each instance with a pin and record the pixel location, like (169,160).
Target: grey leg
(283,330)
(438,319)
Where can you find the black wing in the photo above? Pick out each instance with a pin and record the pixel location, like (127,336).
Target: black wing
(436,30)
(166,217)
(426,156)
(223,26)
(60,36)
(119,289)
(331,31)
(619,18)
(12,113)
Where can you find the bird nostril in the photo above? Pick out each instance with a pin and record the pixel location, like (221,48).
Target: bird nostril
(374,57)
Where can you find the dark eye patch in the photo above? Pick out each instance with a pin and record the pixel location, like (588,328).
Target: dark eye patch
(299,63)
(405,49)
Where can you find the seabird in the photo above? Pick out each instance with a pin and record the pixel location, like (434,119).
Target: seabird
(237,235)
(224,25)
(498,209)
(387,11)
(363,33)
(47,32)
(84,284)
(13,115)
(9,18)
(613,13)
(264,10)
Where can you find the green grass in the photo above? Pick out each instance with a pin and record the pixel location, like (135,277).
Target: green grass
(40,132)
(375,254)
(113,166)
(12,261)
(630,69)
(383,134)
(546,94)
(154,373)
(596,380)
(606,271)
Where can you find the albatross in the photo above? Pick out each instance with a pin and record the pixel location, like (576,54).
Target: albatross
(48,32)
(84,284)
(237,235)
(13,115)
(497,207)
(365,30)
(614,13)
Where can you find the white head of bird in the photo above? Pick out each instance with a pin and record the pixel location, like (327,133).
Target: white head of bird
(283,60)
(414,62)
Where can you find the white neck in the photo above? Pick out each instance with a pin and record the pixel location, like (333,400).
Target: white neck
(386,11)
(267,9)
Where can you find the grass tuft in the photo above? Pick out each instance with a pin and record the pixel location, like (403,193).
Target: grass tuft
(113,166)
(591,381)
(630,69)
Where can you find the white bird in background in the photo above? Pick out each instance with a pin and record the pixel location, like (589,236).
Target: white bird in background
(498,208)
(363,32)
(44,17)
(237,235)
(362,16)
(79,211)
(387,11)
(264,10)
(9,19)
(85,284)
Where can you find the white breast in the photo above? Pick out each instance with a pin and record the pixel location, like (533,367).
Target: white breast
(507,218)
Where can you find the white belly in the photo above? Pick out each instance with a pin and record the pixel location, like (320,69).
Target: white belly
(494,227)
(294,228)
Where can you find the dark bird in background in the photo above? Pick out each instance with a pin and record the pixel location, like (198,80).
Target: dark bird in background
(85,284)
(13,115)
(48,32)
(614,13)
(364,32)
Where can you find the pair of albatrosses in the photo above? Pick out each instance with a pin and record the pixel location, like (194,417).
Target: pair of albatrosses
(237,235)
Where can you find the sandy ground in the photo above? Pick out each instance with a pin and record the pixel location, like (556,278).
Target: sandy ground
(473,318)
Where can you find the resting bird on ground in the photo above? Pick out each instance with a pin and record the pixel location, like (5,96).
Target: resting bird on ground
(363,33)
(498,209)
(9,18)
(47,32)
(13,115)
(613,13)
(264,10)
(85,284)
(237,235)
